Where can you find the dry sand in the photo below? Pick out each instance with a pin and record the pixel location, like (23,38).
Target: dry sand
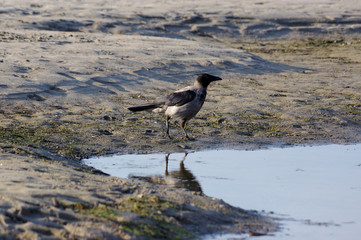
(70,69)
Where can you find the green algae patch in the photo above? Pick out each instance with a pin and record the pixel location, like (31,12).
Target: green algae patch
(156,210)
(63,139)
(154,217)
(100,210)
(148,205)
(158,230)
(48,136)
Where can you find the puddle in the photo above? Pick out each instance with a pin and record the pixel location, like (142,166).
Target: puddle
(315,190)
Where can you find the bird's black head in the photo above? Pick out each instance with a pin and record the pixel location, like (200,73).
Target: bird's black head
(205,79)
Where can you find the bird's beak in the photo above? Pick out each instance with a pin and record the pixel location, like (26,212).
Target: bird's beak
(216,79)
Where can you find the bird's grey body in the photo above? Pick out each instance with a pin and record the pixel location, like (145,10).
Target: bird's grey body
(189,109)
(183,104)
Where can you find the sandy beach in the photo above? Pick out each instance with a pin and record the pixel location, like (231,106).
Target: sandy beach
(69,70)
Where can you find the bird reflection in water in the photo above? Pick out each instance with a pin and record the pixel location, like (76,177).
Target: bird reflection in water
(182,178)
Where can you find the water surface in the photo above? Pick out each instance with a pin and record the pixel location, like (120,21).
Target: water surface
(315,190)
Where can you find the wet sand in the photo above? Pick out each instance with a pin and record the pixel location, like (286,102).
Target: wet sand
(68,73)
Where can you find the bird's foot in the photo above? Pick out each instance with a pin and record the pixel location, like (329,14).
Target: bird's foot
(189,138)
(168,136)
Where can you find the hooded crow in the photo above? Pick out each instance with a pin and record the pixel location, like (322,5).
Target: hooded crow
(183,104)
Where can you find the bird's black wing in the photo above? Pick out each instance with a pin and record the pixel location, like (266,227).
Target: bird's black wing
(180,98)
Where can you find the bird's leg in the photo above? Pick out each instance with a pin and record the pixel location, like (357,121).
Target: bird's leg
(183,123)
(167,126)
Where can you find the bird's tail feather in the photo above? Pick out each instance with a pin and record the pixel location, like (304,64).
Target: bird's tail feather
(143,107)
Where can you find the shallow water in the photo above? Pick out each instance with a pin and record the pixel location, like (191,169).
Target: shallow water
(315,190)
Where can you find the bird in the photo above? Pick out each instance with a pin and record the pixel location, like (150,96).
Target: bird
(182,104)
